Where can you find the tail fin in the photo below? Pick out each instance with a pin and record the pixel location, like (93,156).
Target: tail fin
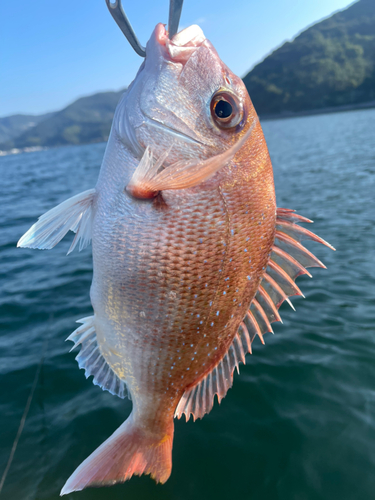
(131,450)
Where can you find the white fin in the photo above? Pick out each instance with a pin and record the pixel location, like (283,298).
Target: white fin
(74,214)
(92,361)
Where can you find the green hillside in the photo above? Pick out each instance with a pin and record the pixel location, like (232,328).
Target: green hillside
(86,120)
(330,64)
(13,126)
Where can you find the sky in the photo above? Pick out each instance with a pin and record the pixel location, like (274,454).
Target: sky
(52,52)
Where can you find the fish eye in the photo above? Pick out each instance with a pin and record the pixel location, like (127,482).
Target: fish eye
(223,109)
(226,110)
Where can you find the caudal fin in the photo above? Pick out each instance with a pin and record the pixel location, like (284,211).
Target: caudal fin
(130,451)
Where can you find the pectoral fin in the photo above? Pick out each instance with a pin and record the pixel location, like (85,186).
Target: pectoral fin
(74,214)
(148,180)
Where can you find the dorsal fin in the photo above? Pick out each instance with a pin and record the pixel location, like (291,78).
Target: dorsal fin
(199,399)
(288,260)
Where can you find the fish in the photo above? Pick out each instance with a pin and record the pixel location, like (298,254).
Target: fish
(191,257)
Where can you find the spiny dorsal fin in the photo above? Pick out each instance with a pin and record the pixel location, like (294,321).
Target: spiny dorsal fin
(199,399)
(288,260)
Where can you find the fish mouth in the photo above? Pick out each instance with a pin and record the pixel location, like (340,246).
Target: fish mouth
(152,122)
(182,45)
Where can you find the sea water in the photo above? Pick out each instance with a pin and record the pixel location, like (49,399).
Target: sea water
(299,422)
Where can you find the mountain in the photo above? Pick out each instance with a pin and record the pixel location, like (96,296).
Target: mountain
(330,64)
(86,120)
(13,126)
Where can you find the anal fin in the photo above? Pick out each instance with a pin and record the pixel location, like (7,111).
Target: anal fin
(74,214)
(92,361)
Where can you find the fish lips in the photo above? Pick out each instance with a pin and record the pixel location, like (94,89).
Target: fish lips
(181,46)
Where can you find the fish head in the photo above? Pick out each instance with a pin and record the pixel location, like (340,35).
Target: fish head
(184,98)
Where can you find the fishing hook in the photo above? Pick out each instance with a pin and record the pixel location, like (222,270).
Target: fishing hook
(118,14)
(175,8)
(123,23)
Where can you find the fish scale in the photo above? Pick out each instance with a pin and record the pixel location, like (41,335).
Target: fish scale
(162,234)
(191,257)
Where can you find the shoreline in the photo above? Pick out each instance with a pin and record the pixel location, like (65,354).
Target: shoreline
(278,116)
(320,111)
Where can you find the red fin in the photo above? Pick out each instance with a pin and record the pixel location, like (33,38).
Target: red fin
(284,266)
(283,275)
(269,305)
(299,233)
(290,215)
(289,259)
(129,451)
(277,290)
(199,399)
(252,325)
(148,180)
(264,316)
(276,286)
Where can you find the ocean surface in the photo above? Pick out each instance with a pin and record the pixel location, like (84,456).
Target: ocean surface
(299,422)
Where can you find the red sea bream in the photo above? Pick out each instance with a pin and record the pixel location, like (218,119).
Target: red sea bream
(191,257)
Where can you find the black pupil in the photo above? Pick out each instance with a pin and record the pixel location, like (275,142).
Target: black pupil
(223,109)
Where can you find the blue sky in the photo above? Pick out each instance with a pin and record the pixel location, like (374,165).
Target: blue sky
(55,51)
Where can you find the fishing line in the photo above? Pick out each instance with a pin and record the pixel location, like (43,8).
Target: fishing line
(44,426)
(23,419)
